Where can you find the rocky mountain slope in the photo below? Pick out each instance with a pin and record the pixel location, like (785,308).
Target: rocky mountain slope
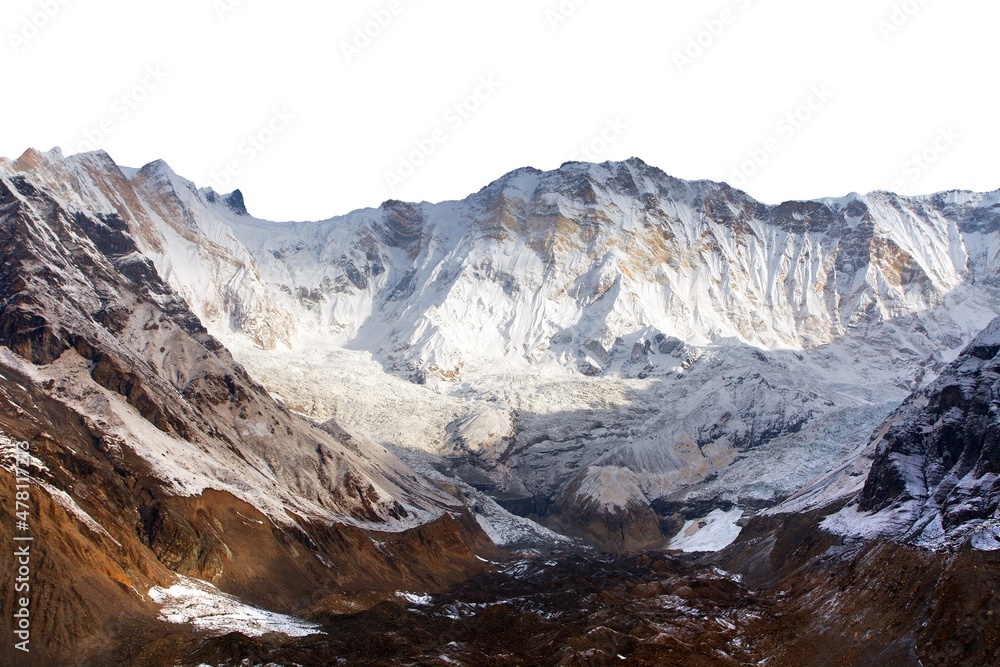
(893,558)
(934,480)
(150,453)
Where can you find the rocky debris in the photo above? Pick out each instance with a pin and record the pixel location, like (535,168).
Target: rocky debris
(635,527)
(885,605)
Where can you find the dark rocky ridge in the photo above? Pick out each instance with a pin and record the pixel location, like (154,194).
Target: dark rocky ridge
(941,449)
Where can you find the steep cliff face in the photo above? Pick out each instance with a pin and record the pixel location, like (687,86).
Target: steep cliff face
(193,250)
(935,474)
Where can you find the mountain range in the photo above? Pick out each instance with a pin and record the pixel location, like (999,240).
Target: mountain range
(319,419)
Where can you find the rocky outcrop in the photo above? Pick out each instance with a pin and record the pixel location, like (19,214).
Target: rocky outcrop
(938,456)
(874,602)
(634,527)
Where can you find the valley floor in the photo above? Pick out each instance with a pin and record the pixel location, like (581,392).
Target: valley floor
(657,609)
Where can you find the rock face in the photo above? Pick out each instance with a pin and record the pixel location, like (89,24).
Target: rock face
(153,452)
(938,457)
(899,546)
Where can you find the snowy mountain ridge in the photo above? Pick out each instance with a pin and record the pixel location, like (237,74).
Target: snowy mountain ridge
(86,317)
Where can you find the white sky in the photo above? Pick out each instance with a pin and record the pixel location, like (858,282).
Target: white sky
(228,66)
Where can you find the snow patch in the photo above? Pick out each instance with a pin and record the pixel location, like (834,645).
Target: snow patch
(201,604)
(65,501)
(414,599)
(988,537)
(851,522)
(714,532)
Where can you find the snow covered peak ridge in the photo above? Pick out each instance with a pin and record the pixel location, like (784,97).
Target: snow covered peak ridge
(560,268)
(83,174)
(185,231)
(580,258)
(631,178)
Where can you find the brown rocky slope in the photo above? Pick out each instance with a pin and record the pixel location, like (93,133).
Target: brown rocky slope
(154,453)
